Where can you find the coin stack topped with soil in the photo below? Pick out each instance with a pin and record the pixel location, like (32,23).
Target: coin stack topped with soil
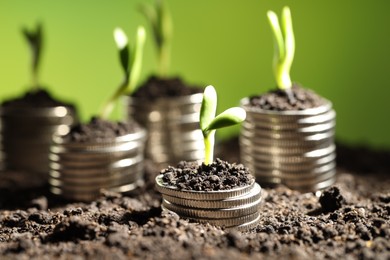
(98,155)
(221,194)
(169,110)
(27,127)
(290,140)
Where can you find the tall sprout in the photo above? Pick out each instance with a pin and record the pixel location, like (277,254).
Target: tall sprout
(160,21)
(131,63)
(284,48)
(35,41)
(209,123)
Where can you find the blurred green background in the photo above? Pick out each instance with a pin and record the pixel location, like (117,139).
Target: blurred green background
(343,53)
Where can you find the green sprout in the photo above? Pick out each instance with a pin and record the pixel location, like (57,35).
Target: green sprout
(284,48)
(209,123)
(161,23)
(131,62)
(35,41)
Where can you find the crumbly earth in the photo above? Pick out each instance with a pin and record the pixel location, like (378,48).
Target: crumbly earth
(156,87)
(219,175)
(99,130)
(278,100)
(39,98)
(350,220)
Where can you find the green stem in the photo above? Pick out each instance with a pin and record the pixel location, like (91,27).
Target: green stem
(110,103)
(34,81)
(284,47)
(136,62)
(164,60)
(209,147)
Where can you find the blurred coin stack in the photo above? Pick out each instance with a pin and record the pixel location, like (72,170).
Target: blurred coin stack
(236,208)
(80,170)
(173,128)
(26,136)
(295,148)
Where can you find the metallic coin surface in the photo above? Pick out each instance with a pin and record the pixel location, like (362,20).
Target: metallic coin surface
(251,197)
(201,195)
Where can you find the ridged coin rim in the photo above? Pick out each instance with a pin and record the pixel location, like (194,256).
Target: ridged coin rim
(201,195)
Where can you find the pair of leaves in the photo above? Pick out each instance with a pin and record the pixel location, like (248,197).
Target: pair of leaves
(208,121)
(284,46)
(131,60)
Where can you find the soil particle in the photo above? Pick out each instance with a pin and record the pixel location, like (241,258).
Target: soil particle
(99,130)
(40,98)
(331,199)
(156,87)
(278,100)
(40,218)
(219,175)
(73,229)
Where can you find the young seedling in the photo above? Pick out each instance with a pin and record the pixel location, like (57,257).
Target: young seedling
(161,23)
(284,49)
(131,62)
(35,41)
(209,123)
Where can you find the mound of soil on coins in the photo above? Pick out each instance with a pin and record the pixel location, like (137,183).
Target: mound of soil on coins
(155,88)
(278,100)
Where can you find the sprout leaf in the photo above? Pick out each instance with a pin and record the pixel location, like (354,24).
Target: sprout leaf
(123,46)
(209,123)
(208,108)
(131,62)
(229,117)
(35,40)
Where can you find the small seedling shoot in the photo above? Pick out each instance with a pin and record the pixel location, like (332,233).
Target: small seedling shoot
(131,62)
(160,21)
(209,123)
(284,49)
(35,41)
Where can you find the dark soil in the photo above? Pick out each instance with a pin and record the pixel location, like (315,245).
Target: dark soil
(351,220)
(40,99)
(219,175)
(278,100)
(155,88)
(99,130)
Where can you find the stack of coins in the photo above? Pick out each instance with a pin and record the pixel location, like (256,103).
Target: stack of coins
(295,148)
(26,136)
(80,170)
(236,208)
(173,128)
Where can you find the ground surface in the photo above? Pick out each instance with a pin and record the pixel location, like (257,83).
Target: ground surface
(350,221)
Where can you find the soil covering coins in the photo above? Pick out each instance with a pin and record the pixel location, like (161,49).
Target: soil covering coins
(277,100)
(219,175)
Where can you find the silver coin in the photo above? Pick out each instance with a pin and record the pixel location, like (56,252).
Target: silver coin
(292,165)
(245,199)
(201,195)
(235,212)
(297,113)
(291,173)
(247,226)
(225,222)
